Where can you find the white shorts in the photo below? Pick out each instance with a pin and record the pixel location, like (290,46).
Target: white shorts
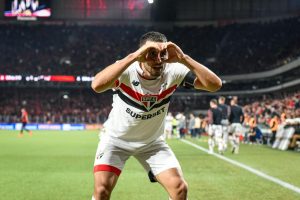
(168,127)
(236,129)
(155,157)
(215,130)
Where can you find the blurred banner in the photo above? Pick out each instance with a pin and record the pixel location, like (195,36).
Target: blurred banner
(64,127)
(46,78)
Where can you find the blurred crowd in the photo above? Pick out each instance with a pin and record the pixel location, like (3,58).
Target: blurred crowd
(84,49)
(263,111)
(86,106)
(54,105)
(274,122)
(264,120)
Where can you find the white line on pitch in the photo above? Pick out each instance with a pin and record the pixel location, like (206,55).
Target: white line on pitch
(250,169)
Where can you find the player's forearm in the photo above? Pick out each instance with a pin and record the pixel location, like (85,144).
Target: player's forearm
(106,78)
(206,79)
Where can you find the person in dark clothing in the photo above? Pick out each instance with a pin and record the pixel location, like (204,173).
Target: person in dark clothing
(236,119)
(215,127)
(225,119)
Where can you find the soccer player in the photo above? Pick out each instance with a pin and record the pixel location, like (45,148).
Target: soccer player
(225,116)
(143,83)
(236,119)
(24,120)
(215,128)
(168,126)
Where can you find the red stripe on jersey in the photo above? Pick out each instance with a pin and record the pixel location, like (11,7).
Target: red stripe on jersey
(117,82)
(131,92)
(107,168)
(138,96)
(166,92)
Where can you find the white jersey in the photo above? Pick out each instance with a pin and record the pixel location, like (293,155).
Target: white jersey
(140,106)
(168,123)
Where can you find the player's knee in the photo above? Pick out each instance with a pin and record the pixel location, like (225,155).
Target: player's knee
(102,192)
(181,187)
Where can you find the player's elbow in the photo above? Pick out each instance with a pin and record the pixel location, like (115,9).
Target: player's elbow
(215,85)
(96,87)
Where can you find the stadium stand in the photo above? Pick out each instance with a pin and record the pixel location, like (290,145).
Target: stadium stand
(66,49)
(54,106)
(82,50)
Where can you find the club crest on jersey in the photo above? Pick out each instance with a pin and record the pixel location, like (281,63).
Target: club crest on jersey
(149,101)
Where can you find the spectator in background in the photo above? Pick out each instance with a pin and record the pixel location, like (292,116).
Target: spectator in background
(168,125)
(192,125)
(198,123)
(252,129)
(181,125)
(274,123)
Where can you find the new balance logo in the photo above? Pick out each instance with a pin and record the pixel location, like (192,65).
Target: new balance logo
(100,155)
(135,83)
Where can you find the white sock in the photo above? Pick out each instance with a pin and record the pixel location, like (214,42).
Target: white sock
(211,144)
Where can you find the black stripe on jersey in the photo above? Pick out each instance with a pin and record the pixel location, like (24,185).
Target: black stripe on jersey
(138,106)
(130,102)
(163,102)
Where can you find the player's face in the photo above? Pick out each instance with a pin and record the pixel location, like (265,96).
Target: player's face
(154,70)
(155,64)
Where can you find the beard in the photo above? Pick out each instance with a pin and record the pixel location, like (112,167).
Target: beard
(157,71)
(154,70)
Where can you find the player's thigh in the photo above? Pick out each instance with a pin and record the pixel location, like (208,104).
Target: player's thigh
(157,158)
(108,165)
(171,179)
(211,130)
(218,131)
(109,158)
(232,128)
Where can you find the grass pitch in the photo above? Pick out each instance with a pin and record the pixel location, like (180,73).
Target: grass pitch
(57,165)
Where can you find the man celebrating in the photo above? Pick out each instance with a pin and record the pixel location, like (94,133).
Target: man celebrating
(143,83)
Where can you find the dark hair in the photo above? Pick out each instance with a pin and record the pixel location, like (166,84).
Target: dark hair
(152,36)
(214,101)
(221,98)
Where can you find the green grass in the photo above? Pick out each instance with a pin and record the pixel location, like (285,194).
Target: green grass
(55,165)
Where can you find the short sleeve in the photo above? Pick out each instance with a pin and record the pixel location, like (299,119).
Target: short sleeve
(178,72)
(122,78)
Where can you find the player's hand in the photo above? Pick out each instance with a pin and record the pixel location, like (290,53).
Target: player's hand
(151,51)
(175,54)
